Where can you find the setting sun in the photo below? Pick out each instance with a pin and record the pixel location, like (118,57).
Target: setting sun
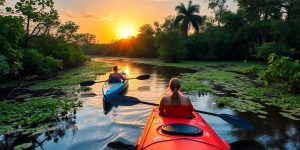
(125,31)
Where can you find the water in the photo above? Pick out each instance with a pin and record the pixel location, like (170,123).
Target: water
(119,124)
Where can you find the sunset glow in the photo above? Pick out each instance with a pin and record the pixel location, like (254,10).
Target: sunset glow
(106,19)
(125,32)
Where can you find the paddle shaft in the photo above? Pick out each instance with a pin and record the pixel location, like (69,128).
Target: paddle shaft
(107,80)
(90,82)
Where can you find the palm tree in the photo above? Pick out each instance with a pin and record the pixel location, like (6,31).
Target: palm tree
(187,17)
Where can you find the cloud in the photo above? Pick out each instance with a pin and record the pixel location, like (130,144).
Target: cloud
(86,15)
(108,18)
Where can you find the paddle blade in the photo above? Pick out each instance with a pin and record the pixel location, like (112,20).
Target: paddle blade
(143,77)
(87,83)
(237,121)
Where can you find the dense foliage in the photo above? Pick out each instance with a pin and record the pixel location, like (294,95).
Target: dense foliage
(278,48)
(27,47)
(282,70)
(257,29)
(36,63)
(171,47)
(69,53)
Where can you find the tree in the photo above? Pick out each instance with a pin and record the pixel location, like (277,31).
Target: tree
(144,43)
(68,32)
(171,46)
(12,29)
(169,24)
(39,17)
(233,21)
(157,28)
(2,2)
(187,17)
(11,32)
(86,38)
(146,29)
(4,66)
(255,33)
(262,9)
(219,7)
(292,8)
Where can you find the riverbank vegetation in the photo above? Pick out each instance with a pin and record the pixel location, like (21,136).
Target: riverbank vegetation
(42,103)
(33,41)
(41,65)
(237,85)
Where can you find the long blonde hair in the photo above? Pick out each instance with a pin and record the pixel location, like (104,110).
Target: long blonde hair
(175,86)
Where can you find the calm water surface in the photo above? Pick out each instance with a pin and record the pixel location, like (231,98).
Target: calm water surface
(119,124)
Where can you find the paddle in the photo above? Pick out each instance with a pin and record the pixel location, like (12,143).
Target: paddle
(234,120)
(91,82)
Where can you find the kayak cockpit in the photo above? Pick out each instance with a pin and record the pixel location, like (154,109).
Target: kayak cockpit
(181,129)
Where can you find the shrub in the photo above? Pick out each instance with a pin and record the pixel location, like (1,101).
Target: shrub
(171,46)
(215,44)
(11,27)
(4,67)
(69,53)
(251,72)
(278,48)
(36,63)
(51,66)
(282,70)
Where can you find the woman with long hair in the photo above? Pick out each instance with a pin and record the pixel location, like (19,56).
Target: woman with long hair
(175,104)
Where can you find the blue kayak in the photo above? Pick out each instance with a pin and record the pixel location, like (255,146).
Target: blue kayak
(110,90)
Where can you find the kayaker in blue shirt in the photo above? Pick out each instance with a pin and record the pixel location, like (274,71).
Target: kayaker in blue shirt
(115,77)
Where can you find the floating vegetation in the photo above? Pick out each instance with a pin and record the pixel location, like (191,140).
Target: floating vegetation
(23,146)
(237,80)
(238,104)
(262,112)
(46,102)
(288,115)
(261,116)
(85,88)
(30,114)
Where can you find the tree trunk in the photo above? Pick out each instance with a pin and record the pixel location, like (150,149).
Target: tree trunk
(26,37)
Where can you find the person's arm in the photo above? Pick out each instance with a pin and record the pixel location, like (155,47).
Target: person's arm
(109,77)
(162,107)
(191,107)
(121,77)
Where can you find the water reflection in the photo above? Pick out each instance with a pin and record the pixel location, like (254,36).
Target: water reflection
(118,124)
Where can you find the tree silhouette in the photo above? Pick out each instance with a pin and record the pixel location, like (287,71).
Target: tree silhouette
(188,17)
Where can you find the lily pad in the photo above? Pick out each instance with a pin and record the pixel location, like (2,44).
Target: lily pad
(23,146)
(288,115)
(261,116)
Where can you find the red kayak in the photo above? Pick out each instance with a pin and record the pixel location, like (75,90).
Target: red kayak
(161,133)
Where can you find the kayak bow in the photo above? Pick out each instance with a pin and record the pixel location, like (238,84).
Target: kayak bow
(176,134)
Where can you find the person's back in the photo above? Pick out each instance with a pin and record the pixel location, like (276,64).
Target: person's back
(115,77)
(176,105)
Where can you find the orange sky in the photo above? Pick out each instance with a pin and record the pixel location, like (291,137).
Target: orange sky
(104,17)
